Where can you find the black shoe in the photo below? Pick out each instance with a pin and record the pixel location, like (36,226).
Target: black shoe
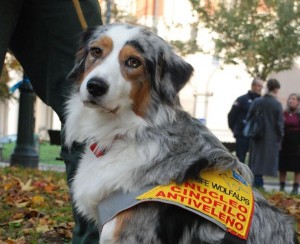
(295,189)
(294,192)
(281,186)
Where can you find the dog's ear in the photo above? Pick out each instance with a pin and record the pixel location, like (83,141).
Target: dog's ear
(81,55)
(172,73)
(180,71)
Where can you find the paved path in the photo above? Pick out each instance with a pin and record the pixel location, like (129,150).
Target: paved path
(273,186)
(60,168)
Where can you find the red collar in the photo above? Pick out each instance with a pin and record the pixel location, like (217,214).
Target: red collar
(97,151)
(100,152)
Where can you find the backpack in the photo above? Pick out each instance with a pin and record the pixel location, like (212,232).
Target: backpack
(254,127)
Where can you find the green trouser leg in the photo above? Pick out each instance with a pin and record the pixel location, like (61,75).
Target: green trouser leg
(43,36)
(84,232)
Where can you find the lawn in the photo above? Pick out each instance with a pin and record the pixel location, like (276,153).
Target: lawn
(47,153)
(35,206)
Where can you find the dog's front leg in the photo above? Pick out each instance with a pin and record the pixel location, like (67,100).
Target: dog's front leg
(107,233)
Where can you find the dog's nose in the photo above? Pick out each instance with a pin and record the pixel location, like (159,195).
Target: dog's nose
(97,87)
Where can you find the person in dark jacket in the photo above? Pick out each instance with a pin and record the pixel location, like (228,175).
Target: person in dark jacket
(237,117)
(289,157)
(44,37)
(264,152)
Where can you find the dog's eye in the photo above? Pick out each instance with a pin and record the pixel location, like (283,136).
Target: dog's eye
(133,63)
(96,52)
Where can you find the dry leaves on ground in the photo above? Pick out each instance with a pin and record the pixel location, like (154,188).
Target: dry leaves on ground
(34,207)
(288,203)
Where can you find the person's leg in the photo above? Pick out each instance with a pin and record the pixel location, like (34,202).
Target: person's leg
(258,181)
(242,147)
(45,43)
(297,177)
(282,178)
(296,183)
(84,231)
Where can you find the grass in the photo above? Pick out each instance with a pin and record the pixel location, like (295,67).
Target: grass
(47,153)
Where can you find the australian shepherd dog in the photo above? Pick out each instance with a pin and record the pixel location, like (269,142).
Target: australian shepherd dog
(124,106)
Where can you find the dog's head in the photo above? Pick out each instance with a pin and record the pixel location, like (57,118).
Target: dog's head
(122,65)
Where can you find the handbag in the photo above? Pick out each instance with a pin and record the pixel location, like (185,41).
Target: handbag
(254,127)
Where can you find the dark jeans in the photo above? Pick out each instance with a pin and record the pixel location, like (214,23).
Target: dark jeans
(242,147)
(43,36)
(258,181)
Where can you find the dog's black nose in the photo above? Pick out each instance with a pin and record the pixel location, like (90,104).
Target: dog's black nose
(97,87)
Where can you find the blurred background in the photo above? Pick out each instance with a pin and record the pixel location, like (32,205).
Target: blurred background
(227,42)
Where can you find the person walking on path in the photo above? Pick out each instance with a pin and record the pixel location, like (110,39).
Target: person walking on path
(264,152)
(43,36)
(237,117)
(289,157)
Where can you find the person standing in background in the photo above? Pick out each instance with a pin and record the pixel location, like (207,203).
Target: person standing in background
(44,37)
(264,152)
(289,157)
(237,117)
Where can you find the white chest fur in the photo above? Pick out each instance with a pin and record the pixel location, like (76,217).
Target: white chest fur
(98,176)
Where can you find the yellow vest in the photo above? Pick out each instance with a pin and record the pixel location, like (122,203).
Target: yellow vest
(223,198)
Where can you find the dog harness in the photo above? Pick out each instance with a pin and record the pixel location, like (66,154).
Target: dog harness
(225,199)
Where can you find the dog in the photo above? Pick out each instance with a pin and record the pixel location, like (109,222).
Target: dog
(124,107)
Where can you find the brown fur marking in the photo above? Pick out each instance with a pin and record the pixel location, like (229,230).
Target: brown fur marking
(140,92)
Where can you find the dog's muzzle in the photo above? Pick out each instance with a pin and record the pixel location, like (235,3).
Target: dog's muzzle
(97,87)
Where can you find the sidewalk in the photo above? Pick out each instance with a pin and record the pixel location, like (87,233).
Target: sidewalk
(274,186)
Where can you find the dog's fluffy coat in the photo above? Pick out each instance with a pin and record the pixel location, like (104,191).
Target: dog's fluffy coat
(125,100)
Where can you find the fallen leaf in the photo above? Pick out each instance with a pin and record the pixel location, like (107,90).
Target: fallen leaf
(22,204)
(43,221)
(18,215)
(8,185)
(27,186)
(50,188)
(60,202)
(39,184)
(42,228)
(38,200)
(16,241)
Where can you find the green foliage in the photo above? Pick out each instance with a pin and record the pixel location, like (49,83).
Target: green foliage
(10,64)
(119,15)
(263,35)
(185,48)
(4,78)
